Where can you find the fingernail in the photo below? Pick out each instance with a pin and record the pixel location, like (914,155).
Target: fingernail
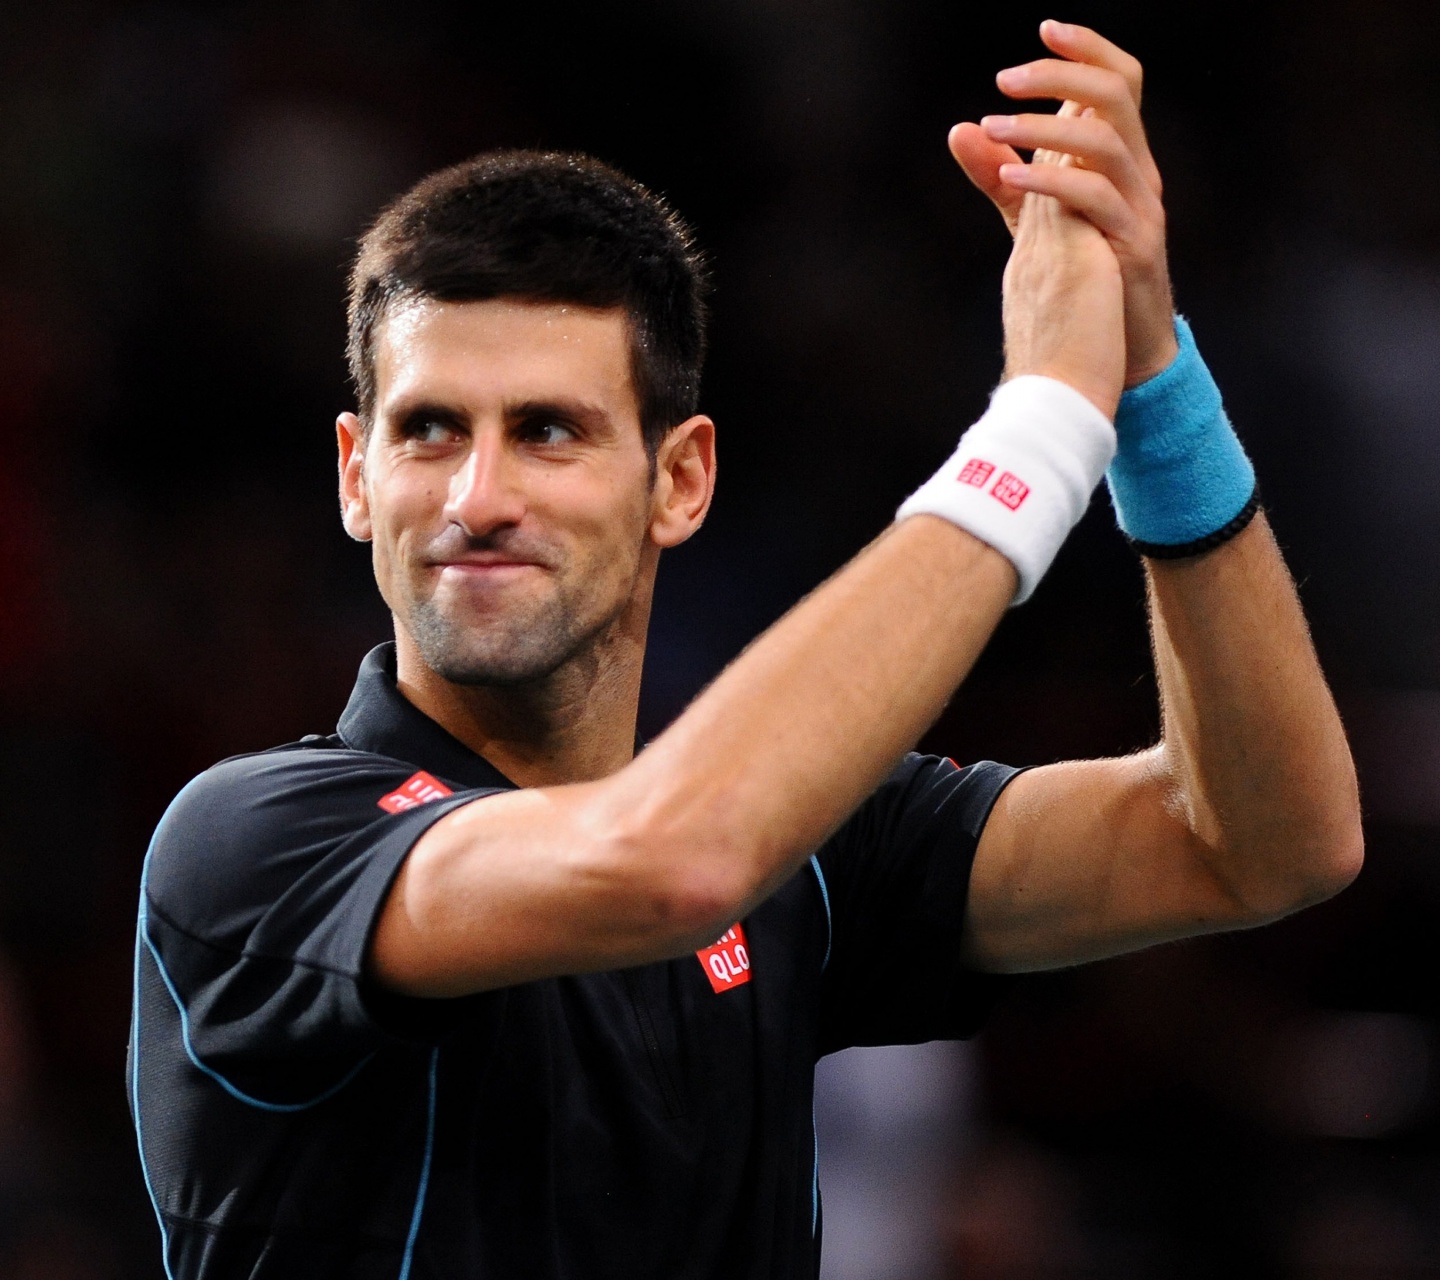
(1012,173)
(997,126)
(1054,28)
(1011,77)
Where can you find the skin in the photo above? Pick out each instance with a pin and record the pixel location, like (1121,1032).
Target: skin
(1245,810)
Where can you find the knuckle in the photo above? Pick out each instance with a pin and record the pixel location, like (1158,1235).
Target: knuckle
(1133,72)
(1115,88)
(1109,140)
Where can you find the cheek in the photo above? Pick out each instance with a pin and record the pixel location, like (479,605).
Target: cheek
(613,530)
(382,555)
(402,516)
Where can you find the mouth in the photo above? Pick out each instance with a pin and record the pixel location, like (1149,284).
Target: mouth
(487,569)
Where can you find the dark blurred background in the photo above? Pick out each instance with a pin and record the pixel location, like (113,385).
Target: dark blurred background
(180,186)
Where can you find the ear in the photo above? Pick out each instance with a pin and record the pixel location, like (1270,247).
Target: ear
(684,481)
(354,501)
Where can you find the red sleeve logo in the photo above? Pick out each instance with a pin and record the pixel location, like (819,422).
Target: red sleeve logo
(419,789)
(727,962)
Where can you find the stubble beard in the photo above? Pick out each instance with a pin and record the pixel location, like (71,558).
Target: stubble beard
(518,649)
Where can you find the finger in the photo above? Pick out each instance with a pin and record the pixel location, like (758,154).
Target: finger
(1097,87)
(1090,138)
(1092,195)
(981,157)
(1045,156)
(1081,44)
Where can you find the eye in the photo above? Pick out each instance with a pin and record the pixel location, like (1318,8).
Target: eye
(546,431)
(429,428)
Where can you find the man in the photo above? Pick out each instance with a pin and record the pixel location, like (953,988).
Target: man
(469,988)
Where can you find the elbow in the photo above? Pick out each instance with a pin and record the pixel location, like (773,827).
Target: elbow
(686,904)
(699,903)
(683,858)
(1307,872)
(1332,866)
(1338,850)
(680,893)
(1343,860)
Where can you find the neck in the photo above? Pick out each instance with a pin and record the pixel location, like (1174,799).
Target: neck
(574,725)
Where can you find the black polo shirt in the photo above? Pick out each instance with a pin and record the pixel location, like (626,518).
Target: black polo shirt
(295,1122)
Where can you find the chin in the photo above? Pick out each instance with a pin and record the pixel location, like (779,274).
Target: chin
(495,652)
(490,655)
(488,670)
(475,643)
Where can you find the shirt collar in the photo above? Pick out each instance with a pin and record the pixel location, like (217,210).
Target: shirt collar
(379,718)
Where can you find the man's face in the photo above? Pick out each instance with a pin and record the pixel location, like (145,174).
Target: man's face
(505,484)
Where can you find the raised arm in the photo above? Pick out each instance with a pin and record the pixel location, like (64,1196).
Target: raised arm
(1247,809)
(663,856)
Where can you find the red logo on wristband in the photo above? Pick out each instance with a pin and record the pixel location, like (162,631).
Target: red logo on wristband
(727,962)
(976,472)
(1011,490)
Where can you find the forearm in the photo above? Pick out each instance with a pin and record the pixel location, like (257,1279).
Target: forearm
(1252,744)
(724,805)
(809,720)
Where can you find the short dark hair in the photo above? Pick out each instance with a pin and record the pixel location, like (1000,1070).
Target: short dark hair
(543,227)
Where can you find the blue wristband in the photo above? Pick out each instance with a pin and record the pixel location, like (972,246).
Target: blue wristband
(1181,482)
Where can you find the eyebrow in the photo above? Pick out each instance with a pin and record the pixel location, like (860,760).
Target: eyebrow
(583,412)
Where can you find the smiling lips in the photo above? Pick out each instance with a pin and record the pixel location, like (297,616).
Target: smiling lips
(497,569)
(497,558)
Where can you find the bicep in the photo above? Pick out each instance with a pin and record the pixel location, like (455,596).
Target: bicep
(1088,859)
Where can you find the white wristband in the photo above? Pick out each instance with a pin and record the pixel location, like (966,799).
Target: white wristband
(1023,474)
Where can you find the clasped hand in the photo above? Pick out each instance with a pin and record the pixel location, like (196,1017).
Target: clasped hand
(1087,288)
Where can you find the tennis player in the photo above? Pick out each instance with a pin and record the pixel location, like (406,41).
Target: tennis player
(471,988)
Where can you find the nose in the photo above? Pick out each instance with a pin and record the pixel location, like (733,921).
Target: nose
(485,493)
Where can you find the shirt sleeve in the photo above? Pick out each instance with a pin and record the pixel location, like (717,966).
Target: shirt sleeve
(261,889)
(896,877)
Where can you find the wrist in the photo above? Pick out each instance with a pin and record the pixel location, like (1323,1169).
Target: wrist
(1023,474)
(1102,394)
(1152,358)
(1151,345)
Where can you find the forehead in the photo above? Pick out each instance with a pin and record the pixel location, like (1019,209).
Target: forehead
(476,354)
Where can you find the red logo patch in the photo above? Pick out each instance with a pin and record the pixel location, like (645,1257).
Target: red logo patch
(1011,490)
(976,472)
(420,789)
(727,962)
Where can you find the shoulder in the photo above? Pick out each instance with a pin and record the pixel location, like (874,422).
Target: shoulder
(315,783)
(252,825)
(926,787)
(919,827)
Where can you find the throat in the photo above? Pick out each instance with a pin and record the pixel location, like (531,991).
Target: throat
(576,724)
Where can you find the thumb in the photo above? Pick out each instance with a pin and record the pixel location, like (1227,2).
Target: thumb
(980,156)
